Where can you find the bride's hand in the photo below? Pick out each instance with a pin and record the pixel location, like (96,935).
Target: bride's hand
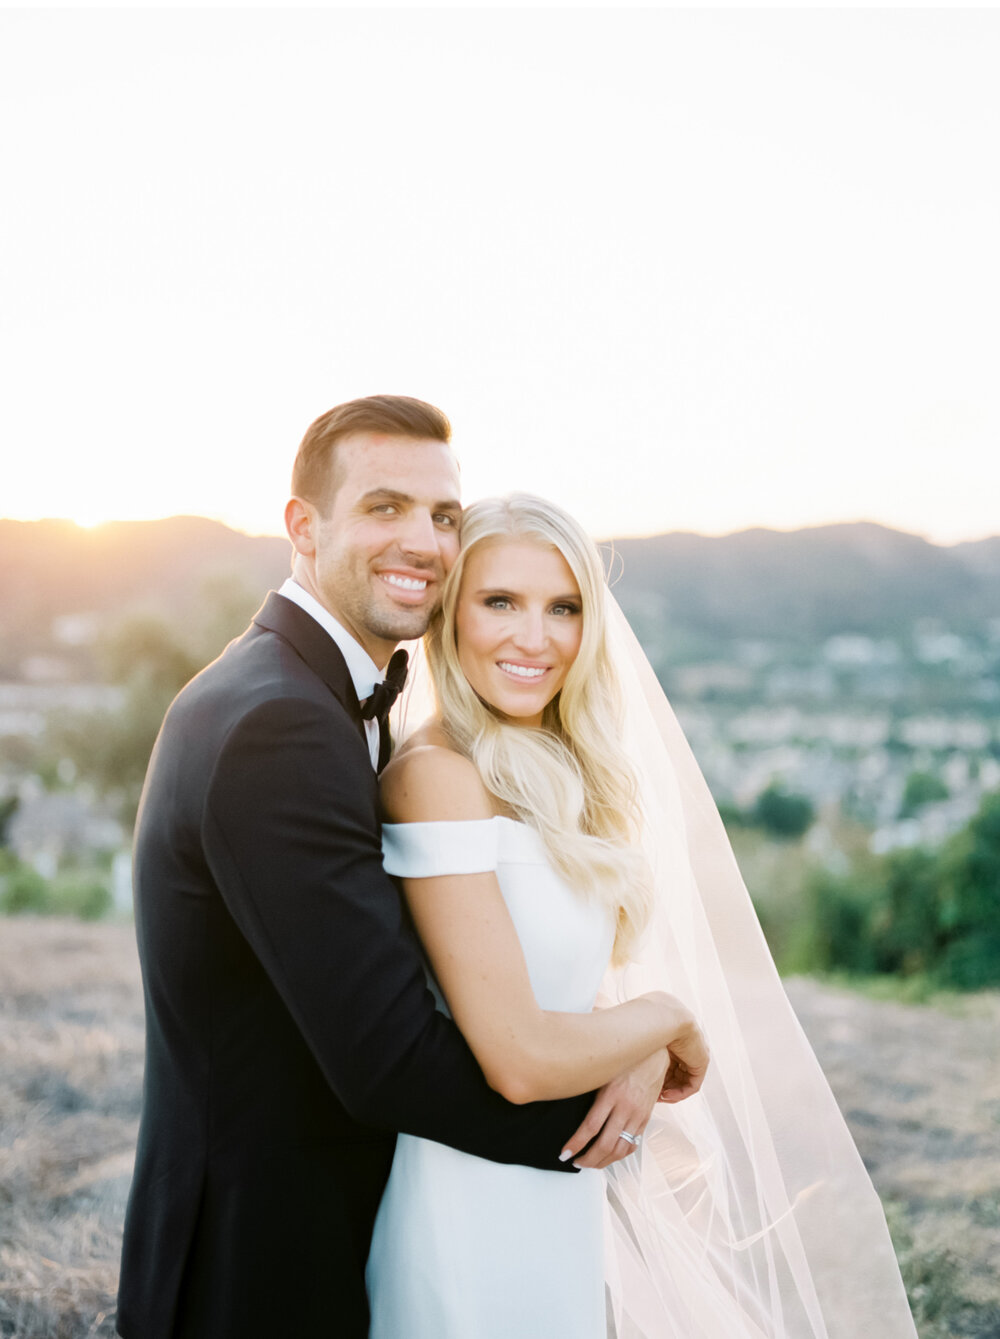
(686,1048)
(688,1065)
(624,1104)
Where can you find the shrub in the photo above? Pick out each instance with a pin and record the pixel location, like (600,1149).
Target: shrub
(22,889)
(82,893)
(837,929)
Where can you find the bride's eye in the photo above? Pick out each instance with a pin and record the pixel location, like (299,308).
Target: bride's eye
(497,602)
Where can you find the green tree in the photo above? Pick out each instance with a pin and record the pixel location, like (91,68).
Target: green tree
(921,788)
(150,660)
(8,808)
(781,813)
(110,749)
(970,901)
(914,912)
(906,922)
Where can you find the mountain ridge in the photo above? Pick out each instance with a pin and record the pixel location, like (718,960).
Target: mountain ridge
(793,584)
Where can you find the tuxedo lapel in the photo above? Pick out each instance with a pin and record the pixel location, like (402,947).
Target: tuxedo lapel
(315,646)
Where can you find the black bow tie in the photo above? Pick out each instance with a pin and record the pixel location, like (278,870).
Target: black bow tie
(376,708)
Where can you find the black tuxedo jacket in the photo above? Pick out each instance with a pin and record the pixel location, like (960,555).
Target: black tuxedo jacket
(290,1032)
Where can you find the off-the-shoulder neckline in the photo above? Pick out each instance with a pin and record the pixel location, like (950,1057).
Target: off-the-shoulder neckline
(456,822)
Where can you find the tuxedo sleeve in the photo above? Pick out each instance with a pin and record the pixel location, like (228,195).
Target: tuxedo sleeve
(290,838)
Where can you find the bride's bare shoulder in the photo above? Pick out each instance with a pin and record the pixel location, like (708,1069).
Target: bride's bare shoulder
(428,781)
(432,733)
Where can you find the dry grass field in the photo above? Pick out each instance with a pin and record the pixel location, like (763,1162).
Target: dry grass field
(71,1041)
(920,1086)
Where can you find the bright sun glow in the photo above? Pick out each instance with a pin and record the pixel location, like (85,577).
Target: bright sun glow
(91,519)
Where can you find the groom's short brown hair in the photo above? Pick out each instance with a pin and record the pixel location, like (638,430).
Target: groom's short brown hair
(314,476)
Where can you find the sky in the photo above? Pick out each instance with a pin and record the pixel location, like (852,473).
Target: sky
(675,269)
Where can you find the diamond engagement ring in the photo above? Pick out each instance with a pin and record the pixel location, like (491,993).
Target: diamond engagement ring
(634,1139)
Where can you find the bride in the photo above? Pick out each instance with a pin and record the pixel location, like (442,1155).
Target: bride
(555,841)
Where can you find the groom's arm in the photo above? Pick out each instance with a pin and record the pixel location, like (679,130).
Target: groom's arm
(290,834)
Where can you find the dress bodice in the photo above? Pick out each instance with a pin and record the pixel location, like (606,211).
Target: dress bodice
(565,935)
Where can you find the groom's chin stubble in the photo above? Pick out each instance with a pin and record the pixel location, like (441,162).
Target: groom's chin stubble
(403,625)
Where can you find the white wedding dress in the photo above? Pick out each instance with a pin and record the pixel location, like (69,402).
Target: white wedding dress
(465,1248)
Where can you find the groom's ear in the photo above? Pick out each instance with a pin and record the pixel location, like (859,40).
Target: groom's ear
(300,522)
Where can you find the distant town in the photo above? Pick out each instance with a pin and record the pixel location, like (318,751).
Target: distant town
(852,667)
(901,735)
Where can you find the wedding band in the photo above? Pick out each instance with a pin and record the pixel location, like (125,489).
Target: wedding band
(634,1139)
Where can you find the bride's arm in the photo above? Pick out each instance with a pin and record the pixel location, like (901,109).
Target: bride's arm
(527,1053)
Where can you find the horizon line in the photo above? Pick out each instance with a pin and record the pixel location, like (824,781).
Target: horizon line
(599,539)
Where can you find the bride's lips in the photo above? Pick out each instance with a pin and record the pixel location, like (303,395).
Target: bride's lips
(522,671)
(408,586)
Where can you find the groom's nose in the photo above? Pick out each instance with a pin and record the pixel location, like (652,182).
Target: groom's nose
(418,534)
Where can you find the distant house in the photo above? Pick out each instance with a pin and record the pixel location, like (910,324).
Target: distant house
(48,829)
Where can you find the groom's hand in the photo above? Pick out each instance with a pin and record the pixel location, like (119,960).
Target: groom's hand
(623,1105)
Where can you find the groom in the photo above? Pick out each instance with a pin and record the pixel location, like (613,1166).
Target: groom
(289,1029)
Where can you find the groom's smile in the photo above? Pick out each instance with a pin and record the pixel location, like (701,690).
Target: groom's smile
(406,585)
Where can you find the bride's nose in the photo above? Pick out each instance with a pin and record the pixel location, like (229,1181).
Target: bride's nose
(530,635)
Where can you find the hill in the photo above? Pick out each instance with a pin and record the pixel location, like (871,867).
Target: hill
(807,585)
(54,568)
(59,567)
(798,586)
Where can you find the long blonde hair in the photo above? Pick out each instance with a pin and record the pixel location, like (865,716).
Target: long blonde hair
(570,778)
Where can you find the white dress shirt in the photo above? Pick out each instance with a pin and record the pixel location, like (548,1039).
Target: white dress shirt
(365,674)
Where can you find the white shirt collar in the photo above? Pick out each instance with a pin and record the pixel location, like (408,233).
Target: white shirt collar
(365,674)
